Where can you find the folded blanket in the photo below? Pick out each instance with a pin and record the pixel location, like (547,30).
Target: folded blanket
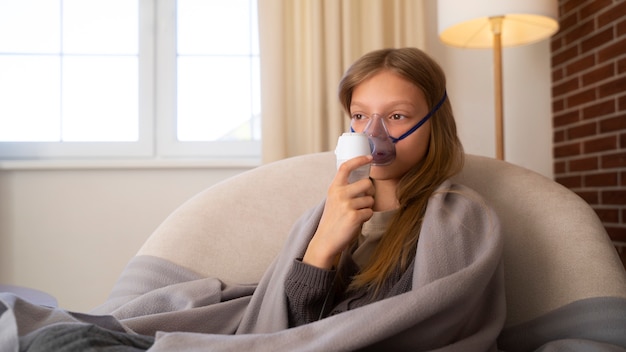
(71,337)
(592,324)
(456,304)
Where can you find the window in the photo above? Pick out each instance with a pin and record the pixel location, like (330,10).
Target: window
(124,78)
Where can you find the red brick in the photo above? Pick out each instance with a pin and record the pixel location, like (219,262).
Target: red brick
(558,136)
(612,51)
(600,109)
(597,40)
(598,74)
(591,197)
(614,160)
(559,167)
(570,181)
(558,105)
(613,87)
(621,64)
(581,98)
(567,150)
(568,19)
(622,141)
(616,233)
(570,7)
(599,180)
(564,56)
(565,87)
(621,28)
(557,74)
(617,197)
(565,119)
(608,215)
(556,42)
(584,164)
(600,144)
(580,30)
(612,14)
(617,123)
(621,103)
(593,7)
(580,64)
(588,129)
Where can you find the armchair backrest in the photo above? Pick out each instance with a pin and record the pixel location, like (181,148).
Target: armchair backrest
(556,249)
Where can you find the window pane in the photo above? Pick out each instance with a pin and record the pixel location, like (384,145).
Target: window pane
(214,27)
(30,26)
(100,99)
(79,98)
(29,98)
(100,27)
(218,85)
(214,98)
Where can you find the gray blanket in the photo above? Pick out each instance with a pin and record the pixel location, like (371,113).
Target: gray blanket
(456,304)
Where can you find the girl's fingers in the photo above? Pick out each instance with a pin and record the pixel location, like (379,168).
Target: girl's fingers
(347,167)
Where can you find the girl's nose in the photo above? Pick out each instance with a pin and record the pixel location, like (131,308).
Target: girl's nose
(383,148)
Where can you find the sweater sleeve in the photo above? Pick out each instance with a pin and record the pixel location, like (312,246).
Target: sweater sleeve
(306,288)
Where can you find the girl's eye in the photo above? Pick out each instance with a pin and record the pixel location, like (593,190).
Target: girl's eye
(397,117)
(358,116)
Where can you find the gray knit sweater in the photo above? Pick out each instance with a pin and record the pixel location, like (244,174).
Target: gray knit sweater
(315,293)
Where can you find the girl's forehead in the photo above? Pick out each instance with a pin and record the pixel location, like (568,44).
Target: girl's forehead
(387,96)
(386,84)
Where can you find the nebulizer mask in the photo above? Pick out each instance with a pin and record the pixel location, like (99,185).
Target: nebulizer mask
(382,145)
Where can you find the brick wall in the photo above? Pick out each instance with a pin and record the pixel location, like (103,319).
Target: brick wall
(589,108)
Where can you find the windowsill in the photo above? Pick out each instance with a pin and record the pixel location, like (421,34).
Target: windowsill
(77,164)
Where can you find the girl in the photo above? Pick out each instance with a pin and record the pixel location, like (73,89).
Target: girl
(395,96)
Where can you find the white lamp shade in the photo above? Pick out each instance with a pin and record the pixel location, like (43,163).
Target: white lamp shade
(465,23)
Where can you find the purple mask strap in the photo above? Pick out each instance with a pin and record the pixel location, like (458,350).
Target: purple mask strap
(422,121)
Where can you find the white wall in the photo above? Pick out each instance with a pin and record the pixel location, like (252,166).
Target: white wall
(70,232)
(527,98)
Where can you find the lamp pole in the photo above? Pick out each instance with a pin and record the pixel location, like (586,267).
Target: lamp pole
(496,29)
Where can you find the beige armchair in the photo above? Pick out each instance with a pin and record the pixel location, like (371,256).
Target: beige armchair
(186,289)
(556,249)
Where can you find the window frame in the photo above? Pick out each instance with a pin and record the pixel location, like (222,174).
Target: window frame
(157,108)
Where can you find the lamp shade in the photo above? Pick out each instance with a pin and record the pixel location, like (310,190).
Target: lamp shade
(466,24)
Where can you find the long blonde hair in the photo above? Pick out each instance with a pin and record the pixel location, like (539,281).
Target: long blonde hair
(443,159)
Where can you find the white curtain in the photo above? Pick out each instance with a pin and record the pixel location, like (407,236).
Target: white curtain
(306,45)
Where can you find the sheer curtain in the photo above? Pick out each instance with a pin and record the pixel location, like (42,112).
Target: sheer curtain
(305,47)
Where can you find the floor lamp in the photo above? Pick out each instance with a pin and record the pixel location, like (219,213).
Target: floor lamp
(493,24)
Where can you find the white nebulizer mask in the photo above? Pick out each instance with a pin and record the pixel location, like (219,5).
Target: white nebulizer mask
(382,145)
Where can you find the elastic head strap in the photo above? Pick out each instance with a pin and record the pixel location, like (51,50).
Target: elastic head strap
(422,121)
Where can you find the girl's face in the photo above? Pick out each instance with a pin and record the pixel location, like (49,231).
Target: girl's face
(402,105)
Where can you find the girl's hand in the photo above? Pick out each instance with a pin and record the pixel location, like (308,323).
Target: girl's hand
(348,206)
